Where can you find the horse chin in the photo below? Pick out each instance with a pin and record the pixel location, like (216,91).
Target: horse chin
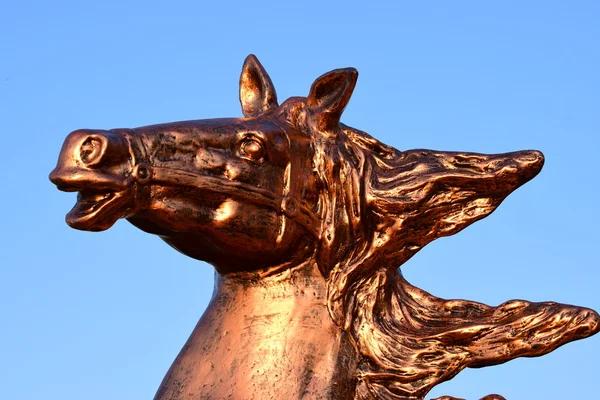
(98,210)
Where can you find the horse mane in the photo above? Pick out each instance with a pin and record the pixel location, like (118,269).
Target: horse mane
(378,206)
(358,278)
(408,340)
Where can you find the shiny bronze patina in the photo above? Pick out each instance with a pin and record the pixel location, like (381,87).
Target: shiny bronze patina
(306,221)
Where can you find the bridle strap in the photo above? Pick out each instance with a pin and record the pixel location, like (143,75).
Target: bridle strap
(144,174)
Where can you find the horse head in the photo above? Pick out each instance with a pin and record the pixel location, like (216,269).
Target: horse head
(289,185)
(209,188)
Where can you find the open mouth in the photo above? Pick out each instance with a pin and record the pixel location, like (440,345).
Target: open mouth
(97,210)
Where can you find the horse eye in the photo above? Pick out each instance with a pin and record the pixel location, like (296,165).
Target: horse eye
(253,149)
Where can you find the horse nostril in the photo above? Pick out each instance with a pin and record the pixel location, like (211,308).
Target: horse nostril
(91,150)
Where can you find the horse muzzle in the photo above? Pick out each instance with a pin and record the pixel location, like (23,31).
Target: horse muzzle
(98,165)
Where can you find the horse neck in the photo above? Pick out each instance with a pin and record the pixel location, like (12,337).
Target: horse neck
(265,338)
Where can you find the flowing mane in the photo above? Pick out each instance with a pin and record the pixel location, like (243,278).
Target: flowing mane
(408,339)
(379,207)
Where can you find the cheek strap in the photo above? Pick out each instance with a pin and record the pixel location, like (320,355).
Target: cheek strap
(144,175)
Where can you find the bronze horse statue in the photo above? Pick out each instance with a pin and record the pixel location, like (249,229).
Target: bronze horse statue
(306,221)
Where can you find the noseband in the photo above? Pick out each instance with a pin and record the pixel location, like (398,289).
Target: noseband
(145,174)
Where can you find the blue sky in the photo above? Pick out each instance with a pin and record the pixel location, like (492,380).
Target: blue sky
(103,315)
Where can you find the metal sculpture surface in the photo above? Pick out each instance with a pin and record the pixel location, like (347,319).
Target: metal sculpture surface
(306,222)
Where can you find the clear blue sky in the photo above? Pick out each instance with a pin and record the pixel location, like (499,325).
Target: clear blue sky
(103,315)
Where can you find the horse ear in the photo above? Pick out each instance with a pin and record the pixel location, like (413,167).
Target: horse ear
(329,95)
(257,93)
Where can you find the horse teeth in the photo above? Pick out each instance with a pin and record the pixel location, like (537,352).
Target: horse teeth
(93,197)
